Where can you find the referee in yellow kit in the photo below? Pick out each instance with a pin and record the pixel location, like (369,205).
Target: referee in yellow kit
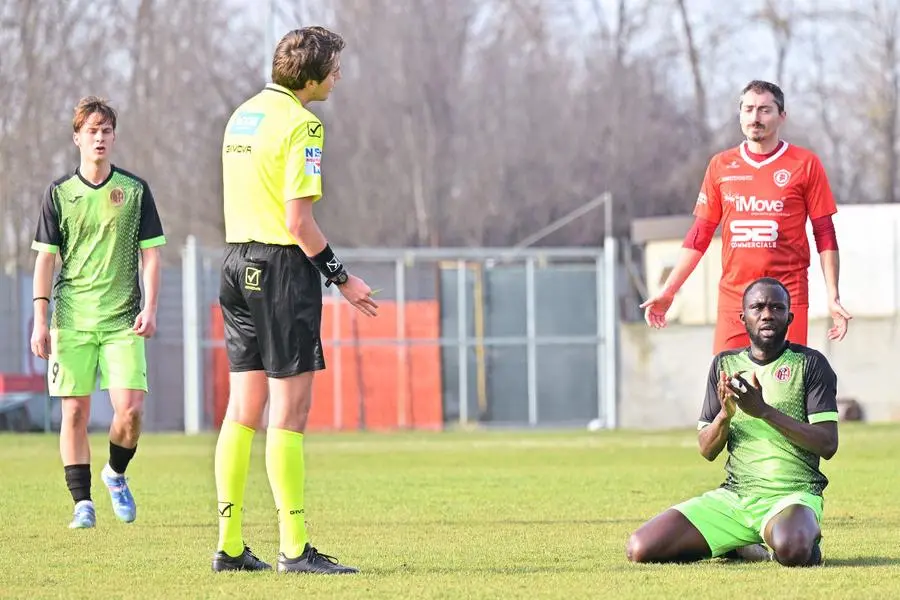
(271,293)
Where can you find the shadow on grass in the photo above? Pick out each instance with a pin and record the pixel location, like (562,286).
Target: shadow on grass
(415,523)
(856,561)
(862,561)
(490,570)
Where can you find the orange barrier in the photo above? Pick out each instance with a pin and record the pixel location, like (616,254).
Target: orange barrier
(18,382)
(216,378)
(375,387)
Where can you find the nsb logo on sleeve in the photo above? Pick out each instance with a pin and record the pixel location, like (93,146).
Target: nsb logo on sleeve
(313,160)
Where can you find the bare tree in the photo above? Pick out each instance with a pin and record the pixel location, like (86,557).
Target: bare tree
(693,53)
(46,55)
(870,104)
(823,96)
(780,18)
(473,122)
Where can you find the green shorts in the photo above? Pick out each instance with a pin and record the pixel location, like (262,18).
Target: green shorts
(76,355)
(728,521)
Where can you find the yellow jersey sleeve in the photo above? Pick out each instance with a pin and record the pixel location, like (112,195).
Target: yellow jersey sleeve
(303,167)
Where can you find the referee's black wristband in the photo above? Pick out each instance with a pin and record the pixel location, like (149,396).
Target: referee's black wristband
(329,265)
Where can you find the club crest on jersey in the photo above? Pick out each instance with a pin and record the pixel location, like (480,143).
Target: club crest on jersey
(116,197)
(783,374)
(782,176)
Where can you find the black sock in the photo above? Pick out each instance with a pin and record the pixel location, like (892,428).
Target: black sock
(78,480)
(119,457)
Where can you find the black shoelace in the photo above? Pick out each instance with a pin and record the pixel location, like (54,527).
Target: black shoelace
(314,554)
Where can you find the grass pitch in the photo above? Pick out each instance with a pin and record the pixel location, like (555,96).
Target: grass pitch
(449,515)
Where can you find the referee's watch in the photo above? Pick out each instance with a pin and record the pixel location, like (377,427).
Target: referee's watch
(340,278)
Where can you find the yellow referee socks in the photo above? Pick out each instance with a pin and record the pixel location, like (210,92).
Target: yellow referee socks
(232,463)
(285,467)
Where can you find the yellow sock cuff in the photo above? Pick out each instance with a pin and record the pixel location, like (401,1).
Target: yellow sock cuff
(238,428)
(284,434)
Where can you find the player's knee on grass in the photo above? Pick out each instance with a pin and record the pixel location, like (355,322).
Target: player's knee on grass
(636,549)
(667,537)
(793,547)
(644,547)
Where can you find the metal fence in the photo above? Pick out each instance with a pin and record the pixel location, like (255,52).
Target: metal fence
(517,337)
(12,326)
(490,336)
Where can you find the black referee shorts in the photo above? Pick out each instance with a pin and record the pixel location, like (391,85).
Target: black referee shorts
(271,298)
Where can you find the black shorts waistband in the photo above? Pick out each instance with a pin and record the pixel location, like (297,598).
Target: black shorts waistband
(261,245)
(268,248)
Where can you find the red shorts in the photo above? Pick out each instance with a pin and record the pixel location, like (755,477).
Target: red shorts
(731,333)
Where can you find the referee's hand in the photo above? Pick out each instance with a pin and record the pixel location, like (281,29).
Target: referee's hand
(359,294)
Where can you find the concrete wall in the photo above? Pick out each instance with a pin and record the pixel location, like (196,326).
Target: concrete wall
(869,240)
(663,372)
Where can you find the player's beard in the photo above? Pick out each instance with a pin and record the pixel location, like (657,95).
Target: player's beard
(769,343)
(754,134)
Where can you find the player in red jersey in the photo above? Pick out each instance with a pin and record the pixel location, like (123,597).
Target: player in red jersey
(762,193)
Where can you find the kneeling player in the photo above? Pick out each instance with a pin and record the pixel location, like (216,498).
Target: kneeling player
(774,404)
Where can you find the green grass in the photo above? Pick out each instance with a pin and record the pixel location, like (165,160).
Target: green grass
(451,515)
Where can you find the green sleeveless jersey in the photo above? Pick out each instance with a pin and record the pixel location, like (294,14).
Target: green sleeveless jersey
(798,382)
(98,232)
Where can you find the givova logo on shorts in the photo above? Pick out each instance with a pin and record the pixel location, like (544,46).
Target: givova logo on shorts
(251,279)
(753,233)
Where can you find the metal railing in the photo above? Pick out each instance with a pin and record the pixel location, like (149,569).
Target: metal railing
(552,303)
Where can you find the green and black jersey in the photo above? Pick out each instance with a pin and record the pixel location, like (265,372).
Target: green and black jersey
(98,231)
(800,383)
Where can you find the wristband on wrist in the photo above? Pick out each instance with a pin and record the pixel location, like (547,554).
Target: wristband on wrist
(41,298)
(329,265)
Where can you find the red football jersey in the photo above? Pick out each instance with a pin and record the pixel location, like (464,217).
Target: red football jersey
(763,207)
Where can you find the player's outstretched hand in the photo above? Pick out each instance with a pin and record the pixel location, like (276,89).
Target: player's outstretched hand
(726,397)
(359,294)
(841,319)
(655,309)
(145,323)
(40,341)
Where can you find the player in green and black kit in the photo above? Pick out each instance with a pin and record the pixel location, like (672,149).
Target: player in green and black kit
(100,220)
(775,406)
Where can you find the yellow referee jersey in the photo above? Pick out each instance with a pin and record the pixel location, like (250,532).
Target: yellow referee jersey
(271,153)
